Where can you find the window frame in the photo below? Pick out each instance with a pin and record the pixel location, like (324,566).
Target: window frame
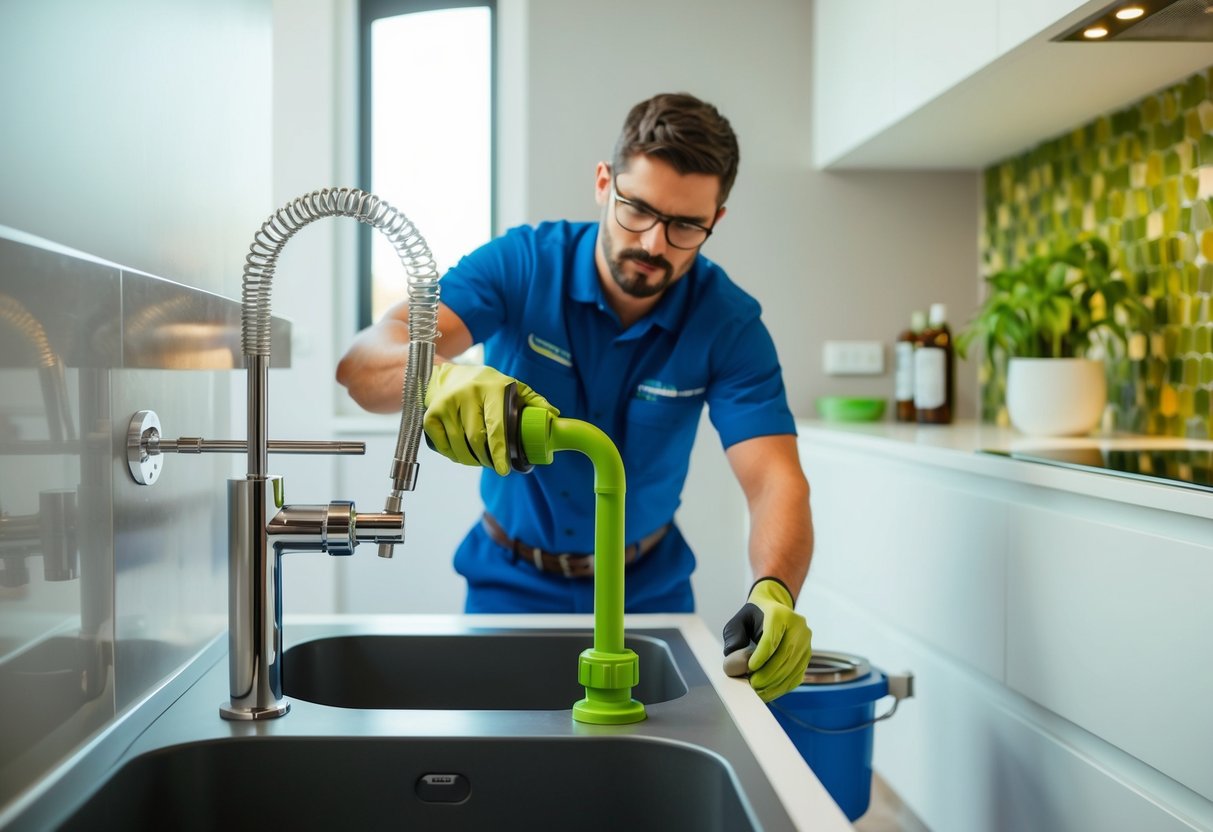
(368,12)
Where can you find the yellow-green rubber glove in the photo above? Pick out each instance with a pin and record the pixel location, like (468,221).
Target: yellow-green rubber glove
(465,414)
(784,640)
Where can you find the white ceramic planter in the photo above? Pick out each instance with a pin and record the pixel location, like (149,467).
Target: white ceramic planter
(1056,396)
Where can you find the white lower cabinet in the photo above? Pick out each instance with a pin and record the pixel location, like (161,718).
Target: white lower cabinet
(968,755)
(919,552)
(1062,644)
(1111,627)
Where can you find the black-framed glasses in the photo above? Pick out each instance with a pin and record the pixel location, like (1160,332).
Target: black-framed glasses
(637,218)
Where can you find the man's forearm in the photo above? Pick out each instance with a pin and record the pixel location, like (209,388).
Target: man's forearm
(373,367)
(781,533)
(777,495)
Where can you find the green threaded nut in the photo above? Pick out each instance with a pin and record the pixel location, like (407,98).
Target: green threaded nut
(613,671)
(536,429)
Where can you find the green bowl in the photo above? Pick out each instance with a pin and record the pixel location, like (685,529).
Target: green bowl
(850,408)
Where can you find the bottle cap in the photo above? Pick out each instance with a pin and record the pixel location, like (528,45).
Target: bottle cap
(918,320)
(939,313)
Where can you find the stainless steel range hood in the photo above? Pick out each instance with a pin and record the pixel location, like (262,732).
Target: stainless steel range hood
(1146,21)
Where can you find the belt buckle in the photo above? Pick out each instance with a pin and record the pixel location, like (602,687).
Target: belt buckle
(537,557)
(563,559)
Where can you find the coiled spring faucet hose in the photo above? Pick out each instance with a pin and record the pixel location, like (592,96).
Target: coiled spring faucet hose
(414,254)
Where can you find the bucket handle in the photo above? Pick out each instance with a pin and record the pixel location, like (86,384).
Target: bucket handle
(901,686)
(787,715)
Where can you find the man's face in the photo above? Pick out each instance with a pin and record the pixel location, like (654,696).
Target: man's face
(643,263)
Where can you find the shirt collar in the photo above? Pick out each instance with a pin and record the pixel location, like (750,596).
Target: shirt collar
(585,287)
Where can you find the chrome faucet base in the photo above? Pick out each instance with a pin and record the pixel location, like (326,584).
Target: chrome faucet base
(229,711)
(254,600)
(261,528)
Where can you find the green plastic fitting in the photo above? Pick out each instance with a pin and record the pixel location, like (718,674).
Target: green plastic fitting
(608,671)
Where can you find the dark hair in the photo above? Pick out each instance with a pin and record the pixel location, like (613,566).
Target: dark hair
(689,134)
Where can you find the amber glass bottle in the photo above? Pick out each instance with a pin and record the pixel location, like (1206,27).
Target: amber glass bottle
(903,374)
(934,370)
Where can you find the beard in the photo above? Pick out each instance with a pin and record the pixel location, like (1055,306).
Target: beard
(640,284)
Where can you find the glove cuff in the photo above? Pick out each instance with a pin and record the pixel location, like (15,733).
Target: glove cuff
(773,579)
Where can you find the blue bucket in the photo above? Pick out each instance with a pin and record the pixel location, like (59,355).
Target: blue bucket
(831,720)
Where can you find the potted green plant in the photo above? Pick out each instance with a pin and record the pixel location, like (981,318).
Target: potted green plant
(1053,318)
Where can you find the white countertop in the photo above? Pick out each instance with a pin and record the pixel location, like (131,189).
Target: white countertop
(957,447)
(806,801)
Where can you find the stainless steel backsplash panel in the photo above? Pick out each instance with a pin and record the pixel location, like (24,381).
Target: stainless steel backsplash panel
(145,566)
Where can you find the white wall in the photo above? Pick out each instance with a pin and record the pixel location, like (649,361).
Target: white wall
(114,130)
(828,255)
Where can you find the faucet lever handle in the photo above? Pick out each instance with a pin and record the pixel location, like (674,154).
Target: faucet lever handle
(198,445)
(145,447)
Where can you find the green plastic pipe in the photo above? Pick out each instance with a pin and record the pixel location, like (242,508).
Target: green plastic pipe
(609,670)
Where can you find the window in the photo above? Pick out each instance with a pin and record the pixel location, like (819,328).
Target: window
(426,125)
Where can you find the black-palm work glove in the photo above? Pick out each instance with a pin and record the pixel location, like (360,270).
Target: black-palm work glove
(784,640)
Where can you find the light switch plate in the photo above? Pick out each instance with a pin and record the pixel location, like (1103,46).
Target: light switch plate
(853,358)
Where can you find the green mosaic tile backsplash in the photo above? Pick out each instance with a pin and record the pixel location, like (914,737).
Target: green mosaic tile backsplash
(1141,178)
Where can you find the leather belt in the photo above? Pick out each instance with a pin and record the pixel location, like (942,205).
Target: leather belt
(568,564)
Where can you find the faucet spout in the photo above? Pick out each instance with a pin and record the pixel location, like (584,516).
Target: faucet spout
(412,413)
(257,287)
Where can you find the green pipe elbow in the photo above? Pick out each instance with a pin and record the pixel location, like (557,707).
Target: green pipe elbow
(575,435)
(543,434)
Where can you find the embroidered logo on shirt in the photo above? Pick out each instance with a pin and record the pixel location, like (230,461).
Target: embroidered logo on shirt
(651,390)
(549,350)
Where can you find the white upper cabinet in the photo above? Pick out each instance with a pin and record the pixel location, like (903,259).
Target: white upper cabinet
(956,38)
(853,93)
(965,83)
(1019,20)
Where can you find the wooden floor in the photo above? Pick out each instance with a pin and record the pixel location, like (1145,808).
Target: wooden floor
(886,812)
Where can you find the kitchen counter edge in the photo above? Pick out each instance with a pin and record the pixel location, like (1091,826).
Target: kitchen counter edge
(958,447)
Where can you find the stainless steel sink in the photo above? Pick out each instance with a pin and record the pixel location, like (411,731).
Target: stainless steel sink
(497,671)
(424,724)
(596,783)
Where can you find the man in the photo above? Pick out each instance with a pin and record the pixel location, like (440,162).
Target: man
(624,324)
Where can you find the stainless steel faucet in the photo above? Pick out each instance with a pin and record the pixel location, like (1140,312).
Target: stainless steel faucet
(261,526)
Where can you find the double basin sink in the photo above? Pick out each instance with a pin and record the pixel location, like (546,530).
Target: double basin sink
(461,728)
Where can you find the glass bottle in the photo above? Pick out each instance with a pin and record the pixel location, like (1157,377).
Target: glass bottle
(903,374)
(934,370)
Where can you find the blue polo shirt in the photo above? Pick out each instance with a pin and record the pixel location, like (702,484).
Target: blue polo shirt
(532,297)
